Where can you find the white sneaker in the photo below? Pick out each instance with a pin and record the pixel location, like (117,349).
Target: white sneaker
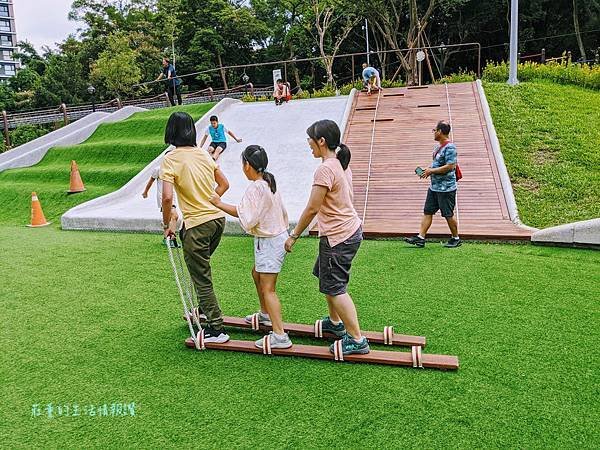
(277,341)
(216,337)
(263,319)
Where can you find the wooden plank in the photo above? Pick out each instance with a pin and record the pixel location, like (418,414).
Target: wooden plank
(299,329)
(442,362)
(396,196)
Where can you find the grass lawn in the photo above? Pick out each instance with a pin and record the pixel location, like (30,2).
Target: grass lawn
(550,137)
(113,155)
(94,318)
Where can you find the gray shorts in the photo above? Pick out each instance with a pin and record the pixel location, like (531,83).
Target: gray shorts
(333,264)
(269,253)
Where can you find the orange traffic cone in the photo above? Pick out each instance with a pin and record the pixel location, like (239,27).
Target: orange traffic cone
(76,182)
(37,215)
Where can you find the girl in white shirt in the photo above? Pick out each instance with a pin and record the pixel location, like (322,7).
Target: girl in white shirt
(262,214)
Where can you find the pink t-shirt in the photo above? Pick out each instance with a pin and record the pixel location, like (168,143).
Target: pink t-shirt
(337,218)
(261,212)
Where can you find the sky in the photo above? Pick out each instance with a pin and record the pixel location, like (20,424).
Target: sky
(43,22)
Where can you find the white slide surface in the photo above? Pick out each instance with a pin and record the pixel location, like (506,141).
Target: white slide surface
(33,152)
(281,130)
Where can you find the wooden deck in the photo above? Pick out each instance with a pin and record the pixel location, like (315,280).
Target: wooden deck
(403,140)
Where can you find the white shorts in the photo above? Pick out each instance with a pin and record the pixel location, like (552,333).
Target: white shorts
(269,253)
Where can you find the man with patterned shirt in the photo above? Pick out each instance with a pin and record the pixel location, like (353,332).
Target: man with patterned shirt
(441,196)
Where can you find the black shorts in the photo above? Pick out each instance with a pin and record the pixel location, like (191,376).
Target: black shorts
(440,201)
(333,264)
(214,145)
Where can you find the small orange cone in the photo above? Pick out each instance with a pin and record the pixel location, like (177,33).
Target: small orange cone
(76,182)
(37,215)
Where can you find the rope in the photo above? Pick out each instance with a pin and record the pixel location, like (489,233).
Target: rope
(452,138)
(371,157)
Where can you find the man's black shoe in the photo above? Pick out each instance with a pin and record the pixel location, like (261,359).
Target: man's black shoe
(453,243)
(215,336)
(415,240)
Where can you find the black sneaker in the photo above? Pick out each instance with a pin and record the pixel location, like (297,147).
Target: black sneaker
(352,347)
(215,336)
(415,240)
(329,327)
(453,243)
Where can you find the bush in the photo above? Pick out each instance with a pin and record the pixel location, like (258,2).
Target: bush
(248,98)
(567,73)
(302,95)
(460,77)
(23,134)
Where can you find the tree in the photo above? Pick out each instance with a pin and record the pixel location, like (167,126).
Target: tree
(117,67)
(333,22)
(63,80)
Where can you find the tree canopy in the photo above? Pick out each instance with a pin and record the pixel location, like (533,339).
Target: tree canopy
(122,42)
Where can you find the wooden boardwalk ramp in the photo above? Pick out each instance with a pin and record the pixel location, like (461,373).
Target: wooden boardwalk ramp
(391,134)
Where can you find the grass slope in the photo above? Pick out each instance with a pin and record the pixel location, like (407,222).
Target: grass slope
(550,139)
(113,155)
(94,318)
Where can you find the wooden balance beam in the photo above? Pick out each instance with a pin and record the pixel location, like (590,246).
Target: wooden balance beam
(387,337)
(414,359)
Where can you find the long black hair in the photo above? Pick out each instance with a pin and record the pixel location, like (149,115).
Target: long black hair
(180,130)
(257,157)
(330,131)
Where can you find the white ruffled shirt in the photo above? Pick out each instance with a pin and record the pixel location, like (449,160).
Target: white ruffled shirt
(261,212)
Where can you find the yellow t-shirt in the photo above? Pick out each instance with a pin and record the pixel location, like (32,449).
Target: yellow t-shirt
(192,171)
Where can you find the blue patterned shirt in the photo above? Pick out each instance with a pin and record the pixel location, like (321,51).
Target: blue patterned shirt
(445,182)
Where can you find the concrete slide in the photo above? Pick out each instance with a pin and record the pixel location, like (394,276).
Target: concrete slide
(76,132)
(281,130)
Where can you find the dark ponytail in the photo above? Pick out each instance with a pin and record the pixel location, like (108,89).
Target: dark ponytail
(256,156)
(330,131)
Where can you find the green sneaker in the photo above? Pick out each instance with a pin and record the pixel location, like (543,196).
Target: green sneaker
(351,347)
(329,327)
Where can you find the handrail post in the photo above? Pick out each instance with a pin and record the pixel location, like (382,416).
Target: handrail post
(543,56)
(210,93)
(251,89)
(119,103)
(63,108)
(6,132)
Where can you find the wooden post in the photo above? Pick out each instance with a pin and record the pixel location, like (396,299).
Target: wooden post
(210,93)
(119,103)
(598,55)
(569,57)
(429,66)
(353,69)
(6,131)
(285,72)
(543,56)
(251,86)
(63,108)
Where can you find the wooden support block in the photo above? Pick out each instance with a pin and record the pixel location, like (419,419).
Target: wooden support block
(442,362)
(399,94)
(428,106)
(300,329)
(389,119)
(417,87)
(368,108)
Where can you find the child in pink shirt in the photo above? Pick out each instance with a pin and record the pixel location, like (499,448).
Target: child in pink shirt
(262,214)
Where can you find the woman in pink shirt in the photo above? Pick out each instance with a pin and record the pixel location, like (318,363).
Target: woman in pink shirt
(340,232)
(262,214)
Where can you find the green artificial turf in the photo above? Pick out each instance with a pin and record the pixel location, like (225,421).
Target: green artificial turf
(94,318)
(550,139)
(113,155)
